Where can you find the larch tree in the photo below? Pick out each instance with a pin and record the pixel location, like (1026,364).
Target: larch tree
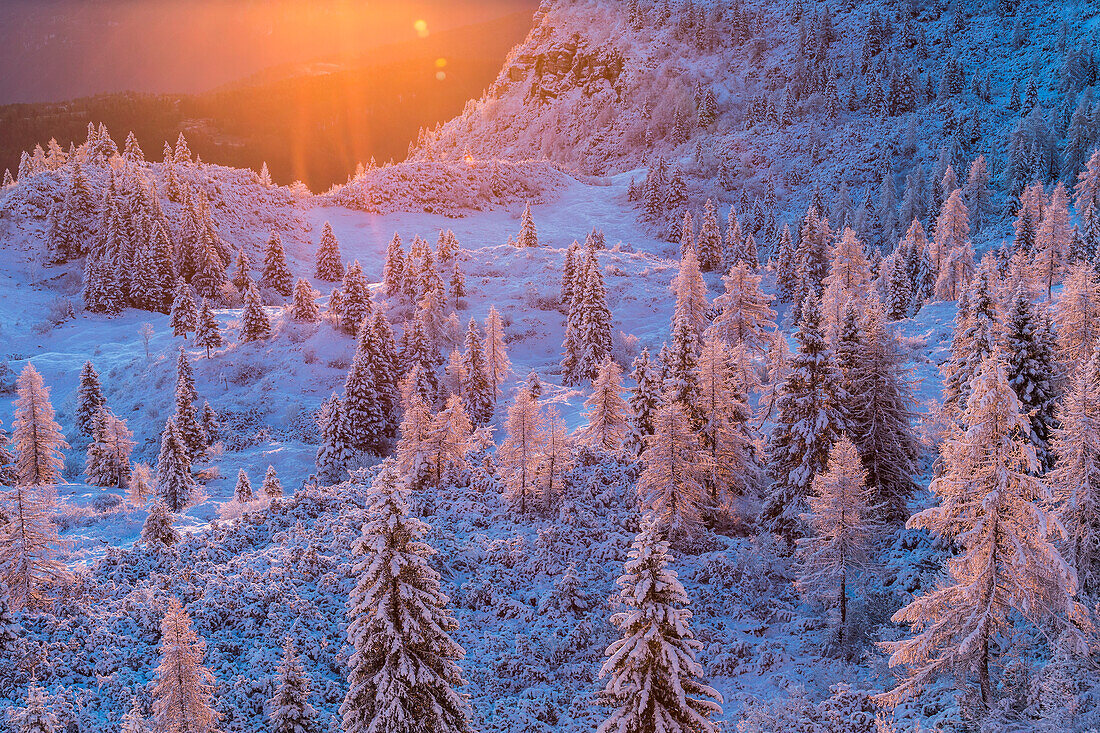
(842,531)
(848,279)
(403,673)
(288,710)
(672,485)
(108,457)
(645,398)
(36,715)
(134,720)
(184,691)
(994,507)
(89,399)
(1052,240)
(497,365)
(1076,475)
(691,293)
(952,253)
(655,682)
(207,334)
(413,454)
(304,308)
(1077,313)
(810,419)
(556,459)
(175,484)
(330,266)
(255,324)
(519,454)
(746,316)
(28,546)
(276,275)
(606,413)
(37,437)
(448,438)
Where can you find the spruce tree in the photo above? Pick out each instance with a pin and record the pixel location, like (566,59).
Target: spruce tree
(709,243)
(334,454)
(1029,361)
(569,273)
(477,390)
(330,267)
(393,272)
(271,486)
(211,428)
(994,508)
(362,409)
(89,400)
(288,710)
(255,324)
(175,485)
(528,235)
(355,305)
(108,455)
(184,314)
(655,681)
(207,333)
(186,420)
(276,275)
(382,352)
(37,437)
(184,689)
(157,532)
(242,492)
(645,398)
(403,673)
(242,279)
(810,418)
(304,309)
(1053,239)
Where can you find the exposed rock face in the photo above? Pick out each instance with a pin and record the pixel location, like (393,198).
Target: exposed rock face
(565,65)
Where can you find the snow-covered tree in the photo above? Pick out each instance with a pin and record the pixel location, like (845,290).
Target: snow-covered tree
(1029,344)
(993,506)
(140,486)
(37,436)
(588,328)
(157,531)
(497,365)
(242,492)
(36,715)
(108,456)
(528,235)
(477,390)
(606,413)
(255,324)
(134,721)
(330,266)
(89,399)
(304,308)
(207,333)
(977,333)
(555,460)
(184,315)
(1052,240)
(355,306)
(519,454)
(676,468)
(1077,313)
(645,397)
(848,279)
(691,293)
(709,243)
(334,453)
(403,673)
(393,271)
(842,531)
(952,253)
(746,316)
(175,484)
(276,275)
(288,710)
(271,487)
(28,546)
(810,419)
(363,409)
(655,682)
(184,691)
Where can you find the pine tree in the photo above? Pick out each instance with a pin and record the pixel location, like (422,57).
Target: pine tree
(334,454)
(606,413)
(842,531)
(810,418)
(28,546)
(393,272)
(185,688)
(276,275)
(36,715)
(993,507)
(242,492)
(288,710)
(645,398)
(271,487)
(255,325)
(304,308)
(1077,313)
(89,400)
(184,314)
(207,333)
(330,267)
(157,532)
(108,456)
(746,315)
(1029,361)
(175,485)
(497,365)
(37,436)
(518,455)
(655,682)
(672,484)
(528,235)
(403,673)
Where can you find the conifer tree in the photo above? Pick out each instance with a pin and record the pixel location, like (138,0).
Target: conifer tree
(7,460)
(709,244)
(1075,479)
(606,413)
(37,715)
(1052,239)
(186,420)
(242,492)
(691,293)
(334,454)
(518,455)
(355,304)
(477,390)
(133,721)
(569,273)
(448,440)
(842,531)
(89,400)
(1077,313)
(993,507)
(157,532)
(288,710)
(528,235)
(140,485)
(413,454)
(184,316)
(382,352)
(28,546)
(403,673)
(655,681)
(746,316)
(38,440)
(676,467)
(723,427)
(184,691)
(810,418)
(211,428)
(848,279)
(175,485)
(952,253)
(276,275)
(242,279)
(977,334)
(207,333)
(556,459)
(393,271)
(497,365)
(1029,361)
(786,281)
(271,487)
(255,325)
(108,456)
(330,267)
(645,398)
(366,425)
(305,309)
